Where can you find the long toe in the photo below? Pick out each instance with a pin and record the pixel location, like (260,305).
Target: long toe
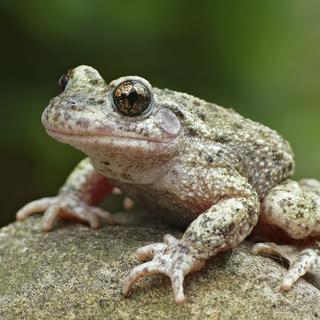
(177,287)
(307,260)
(149,251)
(49,218)
(34,207)
(136,273)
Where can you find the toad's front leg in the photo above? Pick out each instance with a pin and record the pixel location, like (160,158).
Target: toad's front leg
(222,226)
(84,189)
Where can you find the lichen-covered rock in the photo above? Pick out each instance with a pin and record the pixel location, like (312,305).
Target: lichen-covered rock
(77,273)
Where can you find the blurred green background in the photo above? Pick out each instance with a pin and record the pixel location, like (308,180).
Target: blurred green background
(260,57)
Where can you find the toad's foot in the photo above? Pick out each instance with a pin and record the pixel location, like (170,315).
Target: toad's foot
(64,206)
(301,262)
(171,258)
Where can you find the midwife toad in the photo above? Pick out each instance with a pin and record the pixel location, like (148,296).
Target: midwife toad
(195,164)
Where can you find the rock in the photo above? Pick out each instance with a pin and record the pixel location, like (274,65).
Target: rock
(77,273)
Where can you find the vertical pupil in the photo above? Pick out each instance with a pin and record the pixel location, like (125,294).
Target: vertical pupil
(133,97)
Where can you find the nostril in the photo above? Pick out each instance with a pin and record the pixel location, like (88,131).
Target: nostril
(63,81)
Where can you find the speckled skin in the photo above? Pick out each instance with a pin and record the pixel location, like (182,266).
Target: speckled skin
(195,164)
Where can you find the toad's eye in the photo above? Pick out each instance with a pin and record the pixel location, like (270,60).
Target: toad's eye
(131,98)
(63,81)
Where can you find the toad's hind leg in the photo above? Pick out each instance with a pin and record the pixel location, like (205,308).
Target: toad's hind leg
(295,208)
(301,262)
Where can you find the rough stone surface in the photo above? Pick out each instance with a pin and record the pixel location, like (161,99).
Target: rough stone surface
(77,273)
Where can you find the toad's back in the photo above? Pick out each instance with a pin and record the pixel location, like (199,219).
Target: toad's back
(266,156)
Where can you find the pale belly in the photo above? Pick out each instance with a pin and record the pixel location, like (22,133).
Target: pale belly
(165,206)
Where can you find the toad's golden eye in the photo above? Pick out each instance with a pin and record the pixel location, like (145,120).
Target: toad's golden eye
(131,98)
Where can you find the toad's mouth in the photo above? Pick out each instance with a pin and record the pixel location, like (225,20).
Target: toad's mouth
(81,141)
